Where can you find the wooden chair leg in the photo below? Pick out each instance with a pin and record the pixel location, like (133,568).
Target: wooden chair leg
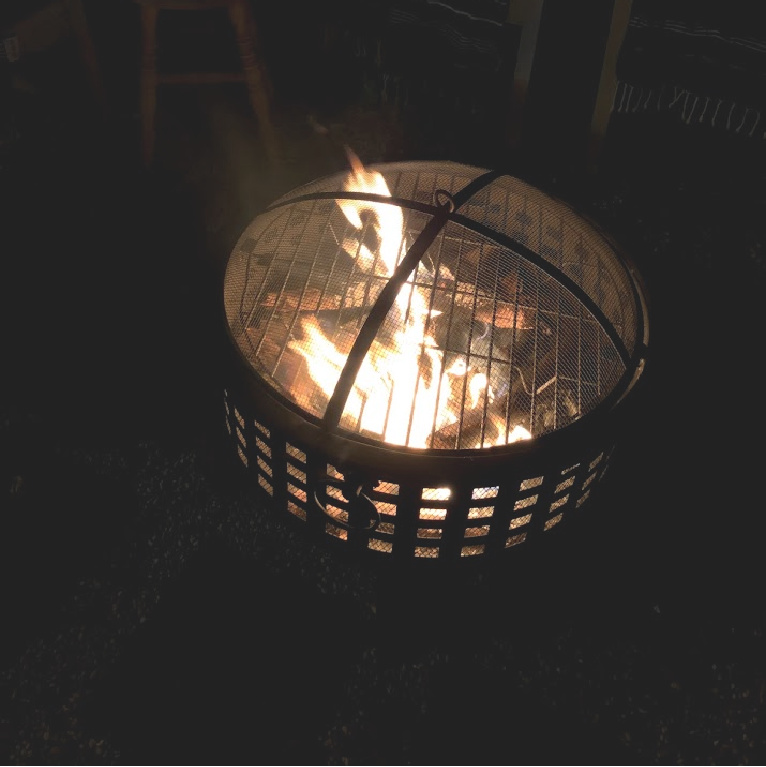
(608,82)
(257,83)
(79,23)
(526,14)
(148,93)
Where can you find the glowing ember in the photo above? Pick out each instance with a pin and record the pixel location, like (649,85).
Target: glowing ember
(404,391)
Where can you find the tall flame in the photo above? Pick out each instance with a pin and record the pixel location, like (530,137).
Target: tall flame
(388,219)
(403,391)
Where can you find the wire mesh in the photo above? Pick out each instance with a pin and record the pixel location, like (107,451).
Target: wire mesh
(518,320)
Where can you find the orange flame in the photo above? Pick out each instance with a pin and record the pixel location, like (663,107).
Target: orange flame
(402,391)
(388,219)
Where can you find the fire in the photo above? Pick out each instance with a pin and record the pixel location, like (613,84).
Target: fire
(389,219)
(404,390)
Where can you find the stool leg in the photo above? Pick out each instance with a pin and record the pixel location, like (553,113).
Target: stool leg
(148,82)
(244,26)
(87,50)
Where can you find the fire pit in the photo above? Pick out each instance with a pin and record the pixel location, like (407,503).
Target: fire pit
(429,360)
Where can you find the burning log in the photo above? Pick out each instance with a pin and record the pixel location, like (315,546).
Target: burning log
(359,297)
(499,315)
(467,433)
(466,430)
(490,269)
(309,300)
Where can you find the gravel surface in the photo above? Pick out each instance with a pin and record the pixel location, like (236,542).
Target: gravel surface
(154,612)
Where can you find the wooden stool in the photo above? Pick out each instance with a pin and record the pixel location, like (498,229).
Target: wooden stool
(51,21)
(241,19)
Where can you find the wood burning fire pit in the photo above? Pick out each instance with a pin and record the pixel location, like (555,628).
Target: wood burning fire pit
(429,360)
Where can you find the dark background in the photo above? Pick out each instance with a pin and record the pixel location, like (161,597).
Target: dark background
(153,612)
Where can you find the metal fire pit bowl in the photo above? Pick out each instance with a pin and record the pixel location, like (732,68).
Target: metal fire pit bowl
(429,360)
